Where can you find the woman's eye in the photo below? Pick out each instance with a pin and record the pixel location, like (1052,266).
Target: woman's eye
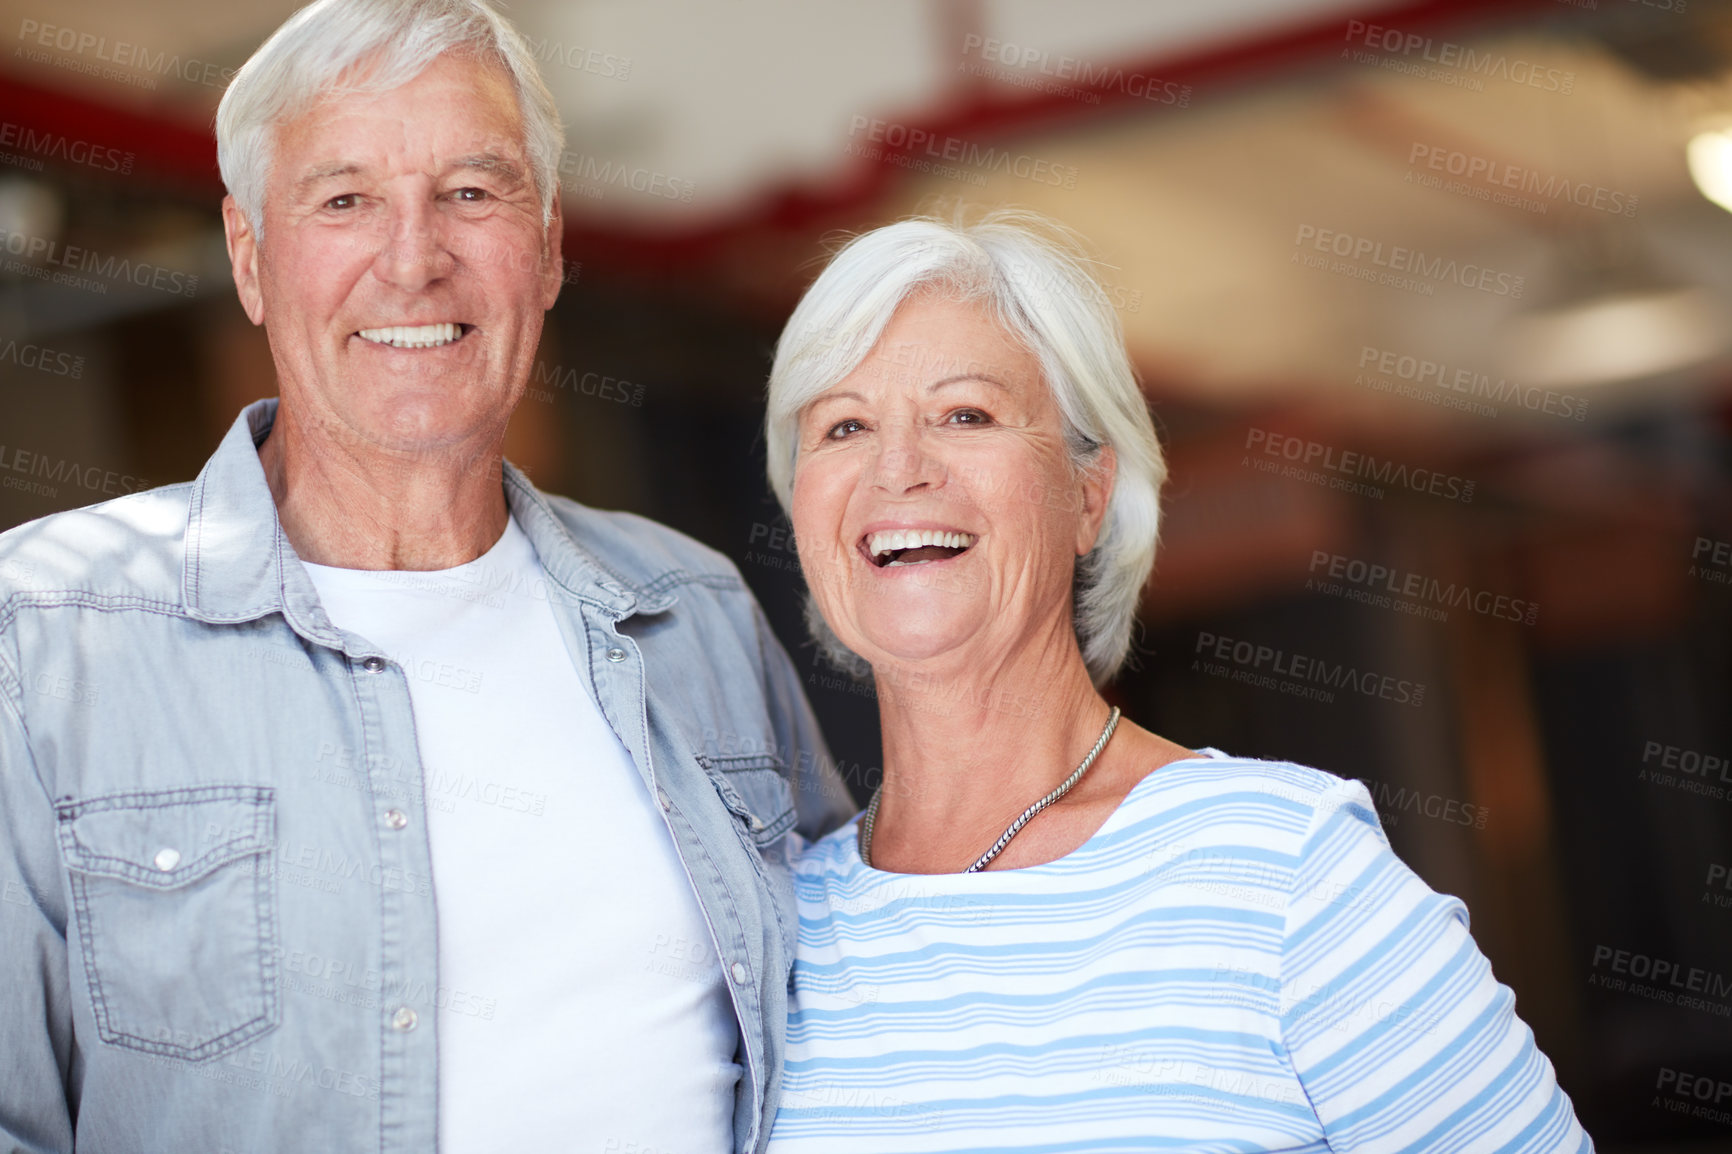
(969,417)
(843,428)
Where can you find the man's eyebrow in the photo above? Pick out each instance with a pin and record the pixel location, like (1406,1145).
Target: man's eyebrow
(327,171)
(491,162)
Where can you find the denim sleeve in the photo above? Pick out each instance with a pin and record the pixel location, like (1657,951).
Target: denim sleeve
(820,798)
(36,1010)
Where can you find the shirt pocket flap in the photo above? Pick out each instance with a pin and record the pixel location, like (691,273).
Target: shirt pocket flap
(755,788)
(166,839)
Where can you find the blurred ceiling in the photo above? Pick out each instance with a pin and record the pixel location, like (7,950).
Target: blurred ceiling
(729,101)
(1243,165)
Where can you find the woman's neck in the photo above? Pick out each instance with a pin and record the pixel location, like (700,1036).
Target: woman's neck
(970,743)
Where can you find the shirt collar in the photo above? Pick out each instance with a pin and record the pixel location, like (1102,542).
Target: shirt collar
(239,565)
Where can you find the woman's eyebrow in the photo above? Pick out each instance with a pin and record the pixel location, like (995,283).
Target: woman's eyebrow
(844,395)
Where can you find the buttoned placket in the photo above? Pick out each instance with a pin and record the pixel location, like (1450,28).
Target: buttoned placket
(408,942)
(616,677)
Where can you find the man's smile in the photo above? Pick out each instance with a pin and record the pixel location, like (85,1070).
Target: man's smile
(417,336)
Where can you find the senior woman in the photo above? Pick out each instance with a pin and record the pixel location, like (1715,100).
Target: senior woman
(1052,929)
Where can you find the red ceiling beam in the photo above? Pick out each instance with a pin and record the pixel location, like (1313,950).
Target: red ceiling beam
(184,155)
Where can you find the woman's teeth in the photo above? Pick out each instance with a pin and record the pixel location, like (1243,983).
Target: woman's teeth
(891,545)
(414,336)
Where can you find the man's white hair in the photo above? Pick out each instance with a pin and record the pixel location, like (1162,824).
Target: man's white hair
(1034,276)
(334,46)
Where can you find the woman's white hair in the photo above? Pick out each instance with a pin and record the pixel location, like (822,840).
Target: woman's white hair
(334,46)
(1034,276)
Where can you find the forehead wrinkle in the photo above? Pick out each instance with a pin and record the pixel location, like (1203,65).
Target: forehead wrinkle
(962,378)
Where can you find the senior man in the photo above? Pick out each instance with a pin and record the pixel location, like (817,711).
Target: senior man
(357,796)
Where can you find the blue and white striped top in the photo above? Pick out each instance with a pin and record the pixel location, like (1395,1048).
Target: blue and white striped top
(1236,961)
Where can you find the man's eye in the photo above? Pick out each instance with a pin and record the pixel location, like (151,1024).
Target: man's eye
(470,195)
(347,200)
(843,428)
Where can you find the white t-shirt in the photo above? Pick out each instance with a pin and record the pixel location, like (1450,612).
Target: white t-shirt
(582,1006)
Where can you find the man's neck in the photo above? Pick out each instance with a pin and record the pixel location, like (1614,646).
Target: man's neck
(354,507)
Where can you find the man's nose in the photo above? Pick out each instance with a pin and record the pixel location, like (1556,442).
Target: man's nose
(415,253)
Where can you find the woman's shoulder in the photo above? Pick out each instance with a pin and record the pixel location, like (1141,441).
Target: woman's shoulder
(1214,773)
(1282,799)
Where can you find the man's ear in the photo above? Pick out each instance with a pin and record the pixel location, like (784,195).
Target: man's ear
(243,245)
(553,253)
(1096,487)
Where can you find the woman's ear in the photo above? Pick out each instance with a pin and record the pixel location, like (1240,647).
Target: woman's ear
(1095,485)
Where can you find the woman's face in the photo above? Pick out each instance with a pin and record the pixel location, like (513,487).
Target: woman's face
(935,508)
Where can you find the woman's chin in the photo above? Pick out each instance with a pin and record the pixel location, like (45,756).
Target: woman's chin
(906,643)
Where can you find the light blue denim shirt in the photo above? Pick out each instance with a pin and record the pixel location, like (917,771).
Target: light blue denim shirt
(217,925)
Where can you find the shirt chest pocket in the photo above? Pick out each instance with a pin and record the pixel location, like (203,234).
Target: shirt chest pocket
(176,915)
(754,787)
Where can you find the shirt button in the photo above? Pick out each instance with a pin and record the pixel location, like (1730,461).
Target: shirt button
(616,655)
(404,1019)
(166,859)
(739,973)
(396,818)
(374,665)
(662,799)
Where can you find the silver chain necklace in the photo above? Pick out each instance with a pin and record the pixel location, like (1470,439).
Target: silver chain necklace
(1015,826)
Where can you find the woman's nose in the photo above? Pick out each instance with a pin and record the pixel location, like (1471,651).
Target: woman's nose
(904,462)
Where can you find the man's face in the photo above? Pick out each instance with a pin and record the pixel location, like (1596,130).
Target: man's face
(404,267)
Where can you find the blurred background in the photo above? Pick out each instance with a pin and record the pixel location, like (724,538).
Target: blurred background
(1432,303)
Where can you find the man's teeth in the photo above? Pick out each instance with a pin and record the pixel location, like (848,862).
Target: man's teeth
(414,336)
(890,540)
